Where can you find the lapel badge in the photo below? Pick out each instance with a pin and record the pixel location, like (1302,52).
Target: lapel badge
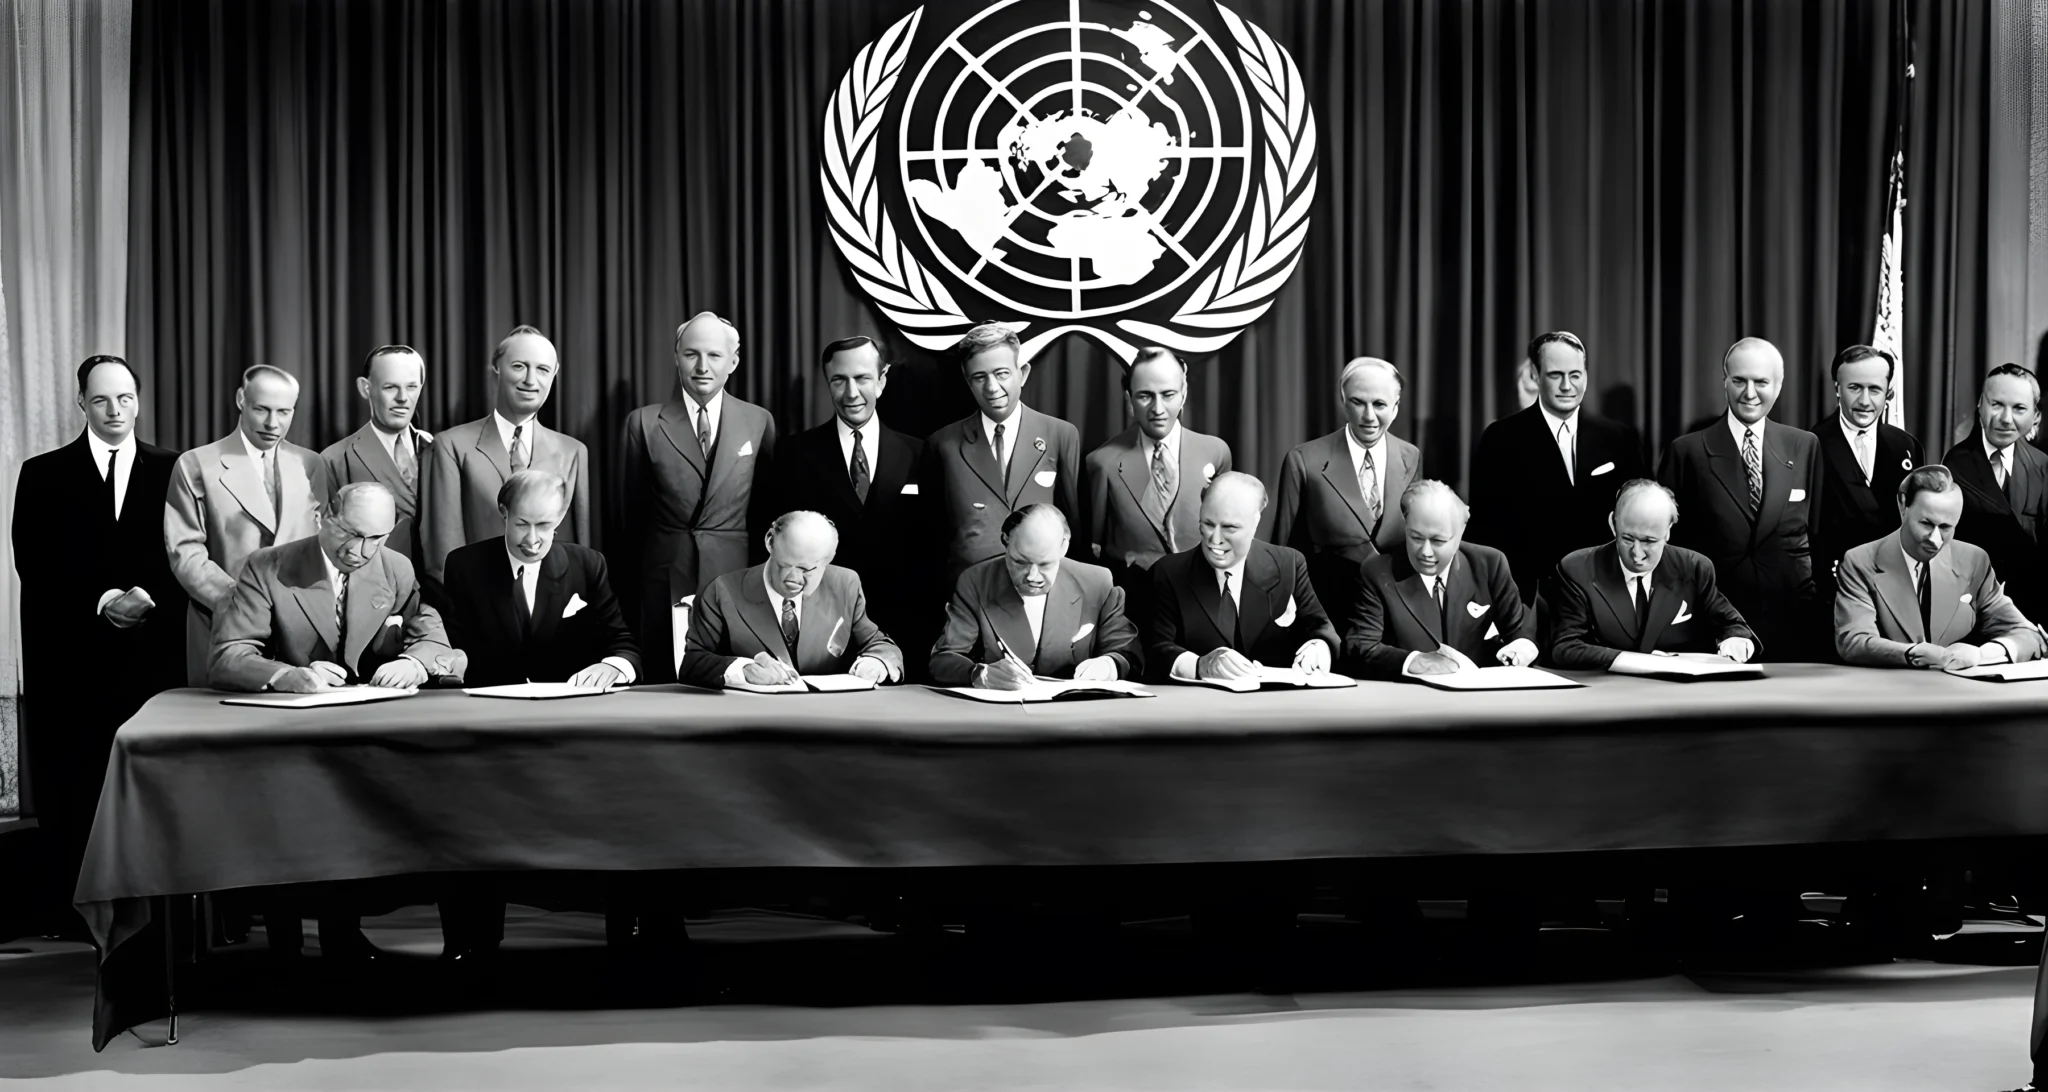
(1038,442)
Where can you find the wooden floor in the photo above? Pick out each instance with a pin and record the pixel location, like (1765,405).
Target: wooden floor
(828,1005)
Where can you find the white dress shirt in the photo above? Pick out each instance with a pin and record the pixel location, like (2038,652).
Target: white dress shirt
(1568,444)
(714,414)
(528,575)
(1999,458)
(1429,584)
(390,441)
(1185,665)
(1034,612)
(1379,464)
(1639,584)
(867,444)
(736,671)
(124,464)
(531,424)
(988,435)
(1737,428)
(1851,432)
(262,459)
(1172,445)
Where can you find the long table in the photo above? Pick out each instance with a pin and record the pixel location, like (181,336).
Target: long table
(204,797)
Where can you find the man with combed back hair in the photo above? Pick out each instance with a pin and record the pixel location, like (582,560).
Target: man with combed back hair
(1865,459)
(390,448)
(2004,481)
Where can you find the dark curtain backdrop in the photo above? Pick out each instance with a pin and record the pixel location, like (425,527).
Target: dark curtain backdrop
(316,178)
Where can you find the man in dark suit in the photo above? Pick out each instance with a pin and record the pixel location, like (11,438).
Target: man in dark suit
(1865,460)
(1028,612)
(1144,487)
(1439,605)
(1638,595)
(1750,487)
(796,615)
(1004,458)
(1338,494)
(2005,485)
(1231,602)
(390,447)
(697,488)
(865,478)
(102,616)
(1544,479)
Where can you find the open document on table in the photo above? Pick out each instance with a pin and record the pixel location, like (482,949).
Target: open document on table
(808,684)
(340,695)
(2032,669)
(537,691)
(1683,666)
(1275,678)
(1498,678)
(1044,689)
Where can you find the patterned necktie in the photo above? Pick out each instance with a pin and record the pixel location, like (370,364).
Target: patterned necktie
(112,492)
(271,484)
(704,436)
(1926,605)
(1002,467)
(860,468)
(1642,605)
(1566,451)
(408,464)
(1998,468)
(1369,485)
(1436,592)
(1753,463)
(1165,484)
(1864,455)
(1228,610)
(340,613)
(518,448)
(789,630)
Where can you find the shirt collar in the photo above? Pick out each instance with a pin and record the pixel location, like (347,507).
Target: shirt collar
(1627,577)
(333,570)
(1236,571)
(712,407)
(1557,422)
(1913,568)
(101,447)
(988,425)
(518,562)
(1171,443)
(1849,431)
(867,431)
(1358,450)
(1737,428)
(389,439)
(775,598)
(1994,454)
(251,449)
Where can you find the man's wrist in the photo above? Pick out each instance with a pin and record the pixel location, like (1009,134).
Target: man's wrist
(276,675)
(1187,665)
(621,665)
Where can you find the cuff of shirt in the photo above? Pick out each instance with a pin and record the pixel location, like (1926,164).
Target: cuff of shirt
(1187,666)
(1408,663)
(424,669)
(736,672)
(887,675)
(623,666)
(2011,654)
(107,597)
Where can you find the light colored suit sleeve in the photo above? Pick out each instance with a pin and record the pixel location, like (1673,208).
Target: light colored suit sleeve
(185,536)
(579,501)
(1857,639)
(440,515)
(953,662)
(242,630)
(1999,619)
(868,638)
(1287,513)
(1095,471)
(707,652)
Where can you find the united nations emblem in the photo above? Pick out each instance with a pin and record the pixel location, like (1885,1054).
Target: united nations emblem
(1110,168)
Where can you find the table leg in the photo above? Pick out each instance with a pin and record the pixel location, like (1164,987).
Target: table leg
(170,969)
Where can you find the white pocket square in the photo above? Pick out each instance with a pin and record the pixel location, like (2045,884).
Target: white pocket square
(1086,629)
(911,488)
(1044,478)
(1603,468)
(395,620)
(1476,610)
(1208,471)
(1492,631)
(746,449)
(1966,597)
(978,504)
(1683,615)
(1797,496)
(1287,616)
(576,603)
(833,645)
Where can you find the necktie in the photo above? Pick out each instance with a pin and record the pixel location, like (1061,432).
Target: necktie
(112,495)
(1753,463)
(519,604)
(518,448)
(1002,467)
(1565,451)
(789,630)
(1228,610)
(1642,605)
(1436,591)
(340,614)
(2008,480)
(1153,500)
(704,436)
(408,465)
(1166,482)
(270,483)
(1926,605)
(1864,455)
(1369,485)
(860,468)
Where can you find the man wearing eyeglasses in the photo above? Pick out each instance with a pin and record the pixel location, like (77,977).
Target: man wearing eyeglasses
(697,486)
(390,448)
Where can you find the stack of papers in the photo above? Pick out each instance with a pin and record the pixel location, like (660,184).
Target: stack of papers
(2033,669)
(1683,667)
(1498,678)
(340,695)
(536,691)
(1275,678)
(819,684)
(1051,690)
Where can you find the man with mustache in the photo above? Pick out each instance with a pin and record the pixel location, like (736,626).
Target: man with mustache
(390,446)
(698,471)
(1750,488)
(1865,459)
(2005,484)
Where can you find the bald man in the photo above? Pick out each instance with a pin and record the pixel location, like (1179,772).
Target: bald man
(1751,488)
(390,447)
(1640,595)
(2004,483)
(796,615)
(471,462)
(1338,494)
(1032,611)
(1231,602)
(237,495)
(1440,604)
(698,472)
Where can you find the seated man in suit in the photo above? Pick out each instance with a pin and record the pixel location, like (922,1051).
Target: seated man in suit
(799,614)
(322,612)
(1027,612)
(1233,601)
(1640,594)
(1441,604)
(1920,599)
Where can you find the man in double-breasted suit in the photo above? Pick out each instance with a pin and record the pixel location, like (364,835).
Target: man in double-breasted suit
(1749,488)
(469,463)
(866,478)
(1640,594)
(1544,479)
(698,486)
(390,448)
(1438,592)
(1339,495)
(2004,480)
(1865,460)
(235,496)
(1231,601)
(796,615)
(1144,487)
(1035,611)
(1004,458)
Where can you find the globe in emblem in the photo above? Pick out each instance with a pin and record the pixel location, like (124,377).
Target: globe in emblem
(1076,158)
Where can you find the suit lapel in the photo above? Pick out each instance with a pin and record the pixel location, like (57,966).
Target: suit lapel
(492,448)
(1026,453)
(1895,589)
(368,450)
(306,575)
(1056,631)
(1415,596)
(504,594)
(1665,599)
(1342,476)
(1210,598)
(1778,475)
(1006,617)
(1398,475)
(1725,460)
(759,615)
(238,474)
(1255,600)
(975,452)
(677,423)
(830,466)
(1945,592)
(550,595)
(891,469)
(1607,580)
(824,619)
(369,605)
(1848,476)
(1134,469)
(1973,470)
(1461,586)
(726,444)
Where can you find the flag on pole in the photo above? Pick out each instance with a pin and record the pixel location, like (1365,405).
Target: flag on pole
(1891,284)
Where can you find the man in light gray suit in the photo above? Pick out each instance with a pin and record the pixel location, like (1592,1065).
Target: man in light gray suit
(1917,598)
(1144,488)
(390,447)
(470,462)
(232,497)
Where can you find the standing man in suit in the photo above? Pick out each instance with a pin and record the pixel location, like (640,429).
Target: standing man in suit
(1004,458)
(1917,598)
(864,477)
(2005,484)
(797,615)
(469,463)
(1640,595)
(1544,479)
(96,591)
(390,447)
(1440,604)
(1338,493)
(1027,612)
(235,496)
(1231,601)
(697,485)
(1865,459)
(1752,486)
